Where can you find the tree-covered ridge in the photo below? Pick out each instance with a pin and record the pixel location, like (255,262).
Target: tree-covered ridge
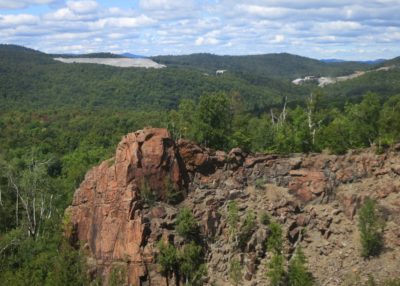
(278,66)
(31,79)
(383,83)
(35,80)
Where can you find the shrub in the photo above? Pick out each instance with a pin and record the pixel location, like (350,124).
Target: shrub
(172,194)
(247,229)
(186,224)
(147,194)
(191,264)
(233,218)
(117,276)
(167,259)
(297,272)
(276,270)
(371,228)
(259,184)
(275,240)
(264,218)
(235,272)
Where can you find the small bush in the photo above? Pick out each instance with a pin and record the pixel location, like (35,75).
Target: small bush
(275,240)
(276,270)
(371,229)
(191,264)
(147,194)
(186,224)
(247,229)
(297,272)
(264,218)
(172,194)
(117,276)
(259,184)
(235,272)
(167,259)
(233,218)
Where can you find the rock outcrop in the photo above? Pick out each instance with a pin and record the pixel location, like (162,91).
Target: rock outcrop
(124,207)
(107,210)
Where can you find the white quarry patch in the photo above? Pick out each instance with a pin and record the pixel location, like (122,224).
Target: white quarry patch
(116,62)
(323,81)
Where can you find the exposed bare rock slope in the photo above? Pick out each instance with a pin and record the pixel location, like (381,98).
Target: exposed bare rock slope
(116,62)
(315,197)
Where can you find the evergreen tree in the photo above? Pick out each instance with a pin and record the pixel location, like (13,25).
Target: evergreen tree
(276,270)
(167,259)
(186,224)
(297,272)
(371,228)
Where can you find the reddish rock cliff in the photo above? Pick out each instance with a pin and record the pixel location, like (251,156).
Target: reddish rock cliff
(107,210)
(315,197)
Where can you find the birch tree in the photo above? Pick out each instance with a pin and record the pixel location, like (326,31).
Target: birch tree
(33,200)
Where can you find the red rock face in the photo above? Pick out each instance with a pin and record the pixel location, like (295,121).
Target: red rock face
(106,209)
(118,229)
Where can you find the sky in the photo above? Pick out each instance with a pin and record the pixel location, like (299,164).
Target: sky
(341,29)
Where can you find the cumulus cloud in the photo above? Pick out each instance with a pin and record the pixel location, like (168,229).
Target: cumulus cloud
(18,20)
(82,7)
(206,41)
(310,28)
(122,22)
(18,4)
(166,4)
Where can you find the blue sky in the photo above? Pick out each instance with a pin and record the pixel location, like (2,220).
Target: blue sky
(352,29)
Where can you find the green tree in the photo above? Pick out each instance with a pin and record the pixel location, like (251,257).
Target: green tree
(337,134)
(371,228)
(389,125)
(32,192)
(276,271)
(186,224)
(191,264)
(275,240)
(297,272)
(69,267)
(364,118)
(168,260)
(214,119)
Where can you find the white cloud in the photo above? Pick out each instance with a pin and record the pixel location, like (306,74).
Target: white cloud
(82,7)
(264,11)
(339,26)
(17,20)
(221,26)
(206,41)
(165,4)
(278,39)
(122,22)
(18,4)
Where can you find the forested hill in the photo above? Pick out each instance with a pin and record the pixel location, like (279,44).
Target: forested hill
(282,66)
(32,79)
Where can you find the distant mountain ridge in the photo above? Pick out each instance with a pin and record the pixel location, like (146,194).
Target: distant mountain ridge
(280,66)
(370,62)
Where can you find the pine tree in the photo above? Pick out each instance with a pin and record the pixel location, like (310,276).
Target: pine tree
(370,228)
(298,274)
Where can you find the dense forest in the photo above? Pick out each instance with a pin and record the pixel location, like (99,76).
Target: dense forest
(58,120)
